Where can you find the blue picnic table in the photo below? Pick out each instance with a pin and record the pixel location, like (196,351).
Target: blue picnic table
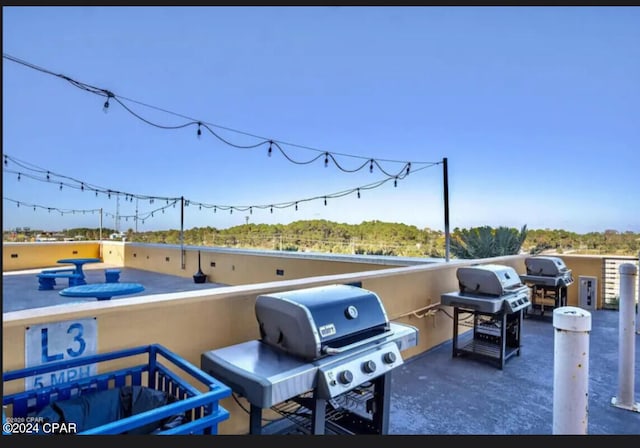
(102,291)
(79,262)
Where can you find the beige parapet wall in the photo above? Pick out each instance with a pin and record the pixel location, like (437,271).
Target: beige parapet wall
(191,323)
(19,256)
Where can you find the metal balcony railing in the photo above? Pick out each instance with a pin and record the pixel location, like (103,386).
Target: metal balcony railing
(611,280)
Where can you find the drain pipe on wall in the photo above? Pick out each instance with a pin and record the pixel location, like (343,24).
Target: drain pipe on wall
(626,339)
(571,370)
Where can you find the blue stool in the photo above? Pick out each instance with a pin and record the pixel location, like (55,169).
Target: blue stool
(111,275)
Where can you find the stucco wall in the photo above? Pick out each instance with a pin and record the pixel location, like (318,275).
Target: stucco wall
(18,256)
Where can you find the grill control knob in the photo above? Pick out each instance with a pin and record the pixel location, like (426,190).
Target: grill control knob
(368,367)
(389,358)
(345,377)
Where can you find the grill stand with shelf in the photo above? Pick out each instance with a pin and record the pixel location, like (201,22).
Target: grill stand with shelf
(361,411)
(495,336)
(544,293)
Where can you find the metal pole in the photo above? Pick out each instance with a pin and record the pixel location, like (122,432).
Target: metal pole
(118,214)
(445,172)
(136,215)
(638,302)
(101,232)
(626,340)
(571,370)
(182,232)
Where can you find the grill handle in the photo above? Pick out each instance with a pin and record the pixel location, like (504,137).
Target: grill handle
(336,351)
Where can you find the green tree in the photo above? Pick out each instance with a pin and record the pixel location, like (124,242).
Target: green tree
(486,242)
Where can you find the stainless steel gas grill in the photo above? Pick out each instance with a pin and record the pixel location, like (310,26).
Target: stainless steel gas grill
(496,298)
(548,278)
(323,360)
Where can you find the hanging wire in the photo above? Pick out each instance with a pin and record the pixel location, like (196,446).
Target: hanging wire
(60,210)
(406,165)
(171,201)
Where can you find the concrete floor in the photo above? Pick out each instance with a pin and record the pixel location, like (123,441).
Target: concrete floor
(20,288)
(434,393)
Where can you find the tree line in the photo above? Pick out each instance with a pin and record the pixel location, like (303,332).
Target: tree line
(377,238)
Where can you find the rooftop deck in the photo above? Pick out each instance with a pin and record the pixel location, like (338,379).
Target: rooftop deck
(434,393)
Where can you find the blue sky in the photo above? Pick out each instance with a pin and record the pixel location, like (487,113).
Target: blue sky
(535,108)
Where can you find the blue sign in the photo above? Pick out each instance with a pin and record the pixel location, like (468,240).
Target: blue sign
(60,341)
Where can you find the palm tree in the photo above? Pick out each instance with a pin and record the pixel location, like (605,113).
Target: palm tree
(487,242)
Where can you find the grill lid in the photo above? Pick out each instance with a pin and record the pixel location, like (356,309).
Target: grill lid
(489,279)
(313,322)
(545,266)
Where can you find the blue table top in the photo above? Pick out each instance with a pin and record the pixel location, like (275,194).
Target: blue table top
(79,260)
(102,290)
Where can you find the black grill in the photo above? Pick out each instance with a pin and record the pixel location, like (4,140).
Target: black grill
(318,347)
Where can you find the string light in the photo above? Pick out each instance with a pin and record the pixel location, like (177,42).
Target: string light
(326,159)
(371,166)
(18,176)
(199,130)
(109,95)
(270,149)
(81,186)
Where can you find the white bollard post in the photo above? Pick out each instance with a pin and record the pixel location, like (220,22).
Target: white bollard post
(571,370)
(626,339)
